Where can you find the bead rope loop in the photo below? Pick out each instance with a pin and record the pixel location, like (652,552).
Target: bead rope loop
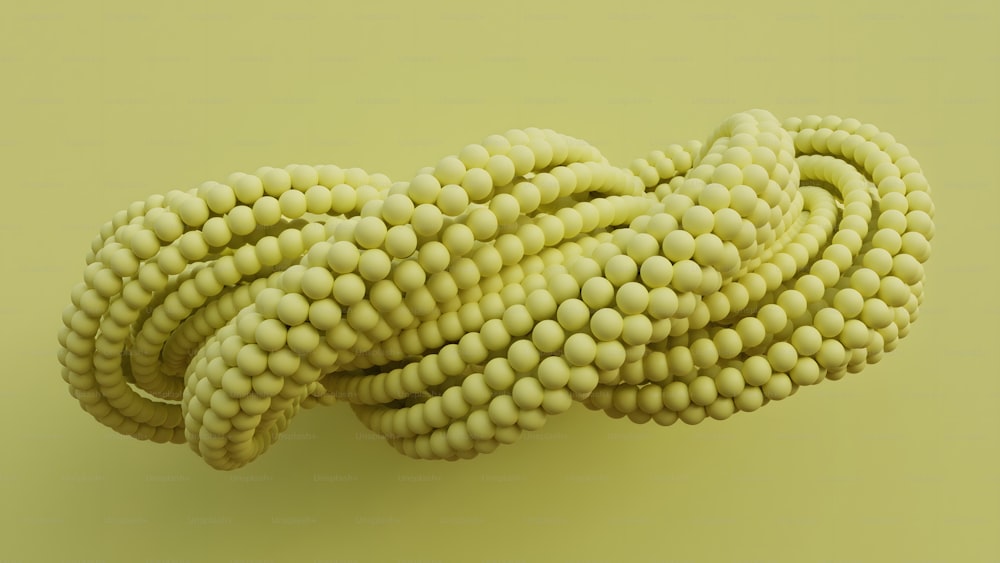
(463,307)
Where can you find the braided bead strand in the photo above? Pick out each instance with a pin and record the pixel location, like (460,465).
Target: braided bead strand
(458,310)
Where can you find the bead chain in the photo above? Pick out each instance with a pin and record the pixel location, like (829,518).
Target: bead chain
(461,308)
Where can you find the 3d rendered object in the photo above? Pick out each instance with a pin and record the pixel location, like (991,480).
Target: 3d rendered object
(461,308)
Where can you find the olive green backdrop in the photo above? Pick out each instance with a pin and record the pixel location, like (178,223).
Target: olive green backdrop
(104,103)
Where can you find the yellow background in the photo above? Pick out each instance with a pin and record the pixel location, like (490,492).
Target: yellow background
(105,103)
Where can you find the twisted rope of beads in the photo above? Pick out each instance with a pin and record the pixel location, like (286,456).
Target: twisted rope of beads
(461,308)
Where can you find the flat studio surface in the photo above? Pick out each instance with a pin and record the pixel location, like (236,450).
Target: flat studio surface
(109,103)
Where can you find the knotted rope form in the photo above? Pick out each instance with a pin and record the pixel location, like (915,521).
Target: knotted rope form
(467,305)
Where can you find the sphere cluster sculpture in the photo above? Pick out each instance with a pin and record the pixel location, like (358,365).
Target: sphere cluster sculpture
(461,308)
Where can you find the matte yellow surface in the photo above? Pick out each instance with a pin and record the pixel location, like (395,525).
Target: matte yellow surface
(105,104)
